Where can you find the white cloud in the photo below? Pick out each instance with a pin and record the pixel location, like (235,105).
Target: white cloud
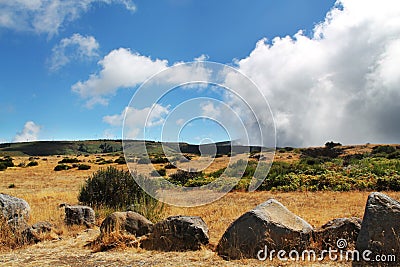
(138,119)
(180,122)
(76,47)
(120,68)
(47,16)
(30,132)
(342,83)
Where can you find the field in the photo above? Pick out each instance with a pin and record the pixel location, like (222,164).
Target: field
(44,189)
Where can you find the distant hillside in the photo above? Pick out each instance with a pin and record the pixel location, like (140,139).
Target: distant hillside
(46,148)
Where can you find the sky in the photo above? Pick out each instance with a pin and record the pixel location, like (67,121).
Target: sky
(329,70)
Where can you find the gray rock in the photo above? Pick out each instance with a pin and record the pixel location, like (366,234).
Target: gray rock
(79,215)
(270,225)
(343,228)
(39,232)
(127,222)
(380,229)
(16,211)
(178,233)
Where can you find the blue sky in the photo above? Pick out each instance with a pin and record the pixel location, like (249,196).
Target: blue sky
(62,63)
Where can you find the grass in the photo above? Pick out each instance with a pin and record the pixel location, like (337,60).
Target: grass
(44,189)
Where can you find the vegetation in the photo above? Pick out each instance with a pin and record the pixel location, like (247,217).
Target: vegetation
(185,178)
(69,160)
(6,162)
(118,189)
(121,160)
(62,167)
(83,167)
(32,163)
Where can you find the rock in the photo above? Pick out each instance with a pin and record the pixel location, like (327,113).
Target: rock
(269,225)
(380,228)
(38,232)
(343,228)
(16,211)
(79,215)
(178,233)
(128,222)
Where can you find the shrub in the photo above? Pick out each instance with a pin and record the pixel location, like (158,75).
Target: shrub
(62,167)
(120,160)
(159,160)
(170,166)
(383,150)
(118,189)
(181,177)
(144,161)
(69,160)
(2,166)
(32,163)
(7,161)
(160,172)
(84,167)
(332,144)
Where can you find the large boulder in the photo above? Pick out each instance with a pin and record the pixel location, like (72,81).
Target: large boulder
(39,231)
(337,230)
(380,229)
(178,233)
(15,211)
(126,222)
(79,215)
(269,225)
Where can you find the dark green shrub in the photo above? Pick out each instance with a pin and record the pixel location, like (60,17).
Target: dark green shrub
(160,172)
(170,166)
(118,189)
(144,161)
(7,161)
(159,160)
(69,160)
(32,163)
(383,150)
(332,144)
(62,167)
(84,167)
(120,160)
(181,177)
(2,166)
(11,186)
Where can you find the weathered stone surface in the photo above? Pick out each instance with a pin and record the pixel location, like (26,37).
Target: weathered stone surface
(16,211)
(342,228)
(178,233)
(270,225)
(79,215)
(380,229)
(127,222)
(38,232)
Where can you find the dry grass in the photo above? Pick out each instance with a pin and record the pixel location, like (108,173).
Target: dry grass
(45,189)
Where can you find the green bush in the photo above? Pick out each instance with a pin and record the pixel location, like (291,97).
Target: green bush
(32,163)
(7,161)
(170,166)
(84,167)
(159,160)
(69,160)
(62,167)
(161,172)
(386,149)
(144,161)
(118,189)
(121,160)
(181,177)
(3,166)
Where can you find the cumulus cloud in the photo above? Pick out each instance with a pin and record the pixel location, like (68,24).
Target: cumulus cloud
(120,68)
(138,119)
(30,132)
(47,16)
(341,83)
(76,47)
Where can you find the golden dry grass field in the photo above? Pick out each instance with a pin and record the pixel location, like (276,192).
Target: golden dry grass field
(44,189)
